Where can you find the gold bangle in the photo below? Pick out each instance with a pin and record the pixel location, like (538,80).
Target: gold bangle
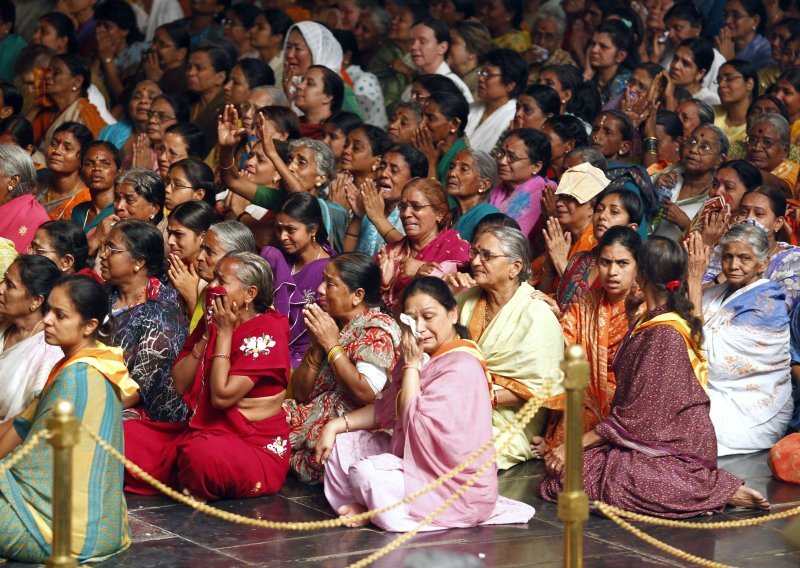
(336,357)
(355,236)
(333,350)
(221,356)
(383,236)
(195,354)
(346,423)
(233,163)
(311,363)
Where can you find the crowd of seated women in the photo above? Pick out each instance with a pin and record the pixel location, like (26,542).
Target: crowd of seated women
(349,245)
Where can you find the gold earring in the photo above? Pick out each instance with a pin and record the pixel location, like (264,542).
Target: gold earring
(74,89)
(313,238)
(136,268)
(33,308)
(452,131)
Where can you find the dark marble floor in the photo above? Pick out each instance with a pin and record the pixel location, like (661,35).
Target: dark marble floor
(166,534)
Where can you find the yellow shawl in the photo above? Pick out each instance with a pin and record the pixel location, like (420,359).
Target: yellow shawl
(697,356)
(107,360)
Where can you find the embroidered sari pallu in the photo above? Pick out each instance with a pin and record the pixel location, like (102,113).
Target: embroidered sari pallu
(91,382)
(747,341)
(523,346)
(221,453)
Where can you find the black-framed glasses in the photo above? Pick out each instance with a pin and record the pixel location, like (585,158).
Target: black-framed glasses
(485,255)
(486,74)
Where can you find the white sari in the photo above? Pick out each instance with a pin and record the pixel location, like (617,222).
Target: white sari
(24,369)
(746,338)
(484,135)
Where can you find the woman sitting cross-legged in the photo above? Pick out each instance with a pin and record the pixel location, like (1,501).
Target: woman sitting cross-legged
(598,321)
(352,352)
(233,370)
(502,315)
(152,326)
(438,408)
(93,378)
(656,453)
(25,357)
(746,329)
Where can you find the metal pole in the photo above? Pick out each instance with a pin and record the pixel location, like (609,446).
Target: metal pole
(64,428)
(573,504)
(791,534)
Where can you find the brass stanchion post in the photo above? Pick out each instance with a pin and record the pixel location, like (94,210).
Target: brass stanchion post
(791,534)
(573,504)
(64,428)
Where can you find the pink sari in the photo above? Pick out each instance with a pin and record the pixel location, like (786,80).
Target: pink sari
(448,250)
(19,219)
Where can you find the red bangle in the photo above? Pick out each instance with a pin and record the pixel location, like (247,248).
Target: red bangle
(411,367)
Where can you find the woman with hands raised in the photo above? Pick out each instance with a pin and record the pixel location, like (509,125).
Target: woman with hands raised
(352,351)
(376,217)
(438,408)
(440,135)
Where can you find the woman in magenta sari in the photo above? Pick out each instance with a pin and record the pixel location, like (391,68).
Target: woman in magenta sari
(656,453)
(20,213)
(438,408)
(428,249)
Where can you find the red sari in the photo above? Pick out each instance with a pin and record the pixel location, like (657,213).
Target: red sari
(220,453)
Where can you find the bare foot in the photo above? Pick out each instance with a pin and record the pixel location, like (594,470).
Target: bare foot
(189,494)
(353,509)
(537,447)
(750,498)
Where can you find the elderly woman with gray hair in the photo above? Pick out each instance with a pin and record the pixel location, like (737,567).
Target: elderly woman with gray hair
(233,371)
(472,176)
(547,33)
(20,212)
(311,168)
(746,338)
(768,148)
(501,315)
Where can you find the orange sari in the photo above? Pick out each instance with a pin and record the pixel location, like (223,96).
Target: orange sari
(541,264)
(599,327)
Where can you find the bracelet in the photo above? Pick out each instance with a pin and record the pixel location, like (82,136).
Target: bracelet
(346,423)
(411,367)
(221,356)
(383,236)
(355,236)
(195,354)
(333,350)
(336,357)
(311,363)
(240,215)
(233,163)
(651,145)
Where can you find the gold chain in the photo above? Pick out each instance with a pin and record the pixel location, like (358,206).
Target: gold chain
(23,450)
(524,416)
(605,508)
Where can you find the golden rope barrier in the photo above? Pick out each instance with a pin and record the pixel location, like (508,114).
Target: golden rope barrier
(659,522)
(23,450)
(530,407)
(609,511)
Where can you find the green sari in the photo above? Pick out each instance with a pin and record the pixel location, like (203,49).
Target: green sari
(100,518)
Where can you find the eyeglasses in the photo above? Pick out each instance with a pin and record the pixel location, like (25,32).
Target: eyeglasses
(108,250)
(159,116)
(637,85)
(418,97)
(482,72)
(33,248)
(232,23)
(176,186)
(501,153)
(415,207)
(728,78)
(702,149)
(485,255)
(766,143)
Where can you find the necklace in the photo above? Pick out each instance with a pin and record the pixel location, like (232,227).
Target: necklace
(139,299)
(72,195)
(16,330)
(295,270)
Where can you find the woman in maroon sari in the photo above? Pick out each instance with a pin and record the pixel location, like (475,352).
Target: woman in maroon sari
(428,248)
(233,370)
(656,453)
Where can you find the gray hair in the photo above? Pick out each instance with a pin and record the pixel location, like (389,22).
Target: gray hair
(779,122)
(323,155)
(381,18)
(555,12)
(589,155)
(14,161)
(233,237)
(705,112)
(485,164)
(514,244)
(750,235)
(722,138)
(276,95)
(255,271)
